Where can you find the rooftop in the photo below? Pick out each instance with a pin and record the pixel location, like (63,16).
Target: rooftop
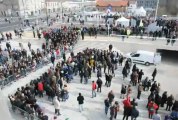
(113,3)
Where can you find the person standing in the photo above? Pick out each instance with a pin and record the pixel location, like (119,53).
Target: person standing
(40,89)
(111,97)
(154,74)
(164,99)
(140,89)
(152,109)
(134,113)
(170,100)
(156,116)
(116,108)
(106,103)
(80,100)
(123,91)
(112,112)
(140,74)
(82,33)
(56,105)
(29,46)
(94,89)
(99,83)
(124,72)
(52,58)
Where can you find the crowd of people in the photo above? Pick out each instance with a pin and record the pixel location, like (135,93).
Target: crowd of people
(54,84)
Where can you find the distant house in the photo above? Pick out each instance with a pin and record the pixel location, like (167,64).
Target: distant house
(112,5)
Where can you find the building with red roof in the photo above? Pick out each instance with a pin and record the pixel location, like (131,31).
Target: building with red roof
(112,5)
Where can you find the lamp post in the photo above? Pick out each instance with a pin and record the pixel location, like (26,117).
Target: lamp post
(156,12)
(61,12)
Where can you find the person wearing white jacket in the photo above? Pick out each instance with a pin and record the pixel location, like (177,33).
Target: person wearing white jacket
(56,105)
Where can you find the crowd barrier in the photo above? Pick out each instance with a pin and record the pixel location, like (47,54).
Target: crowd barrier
(24,114)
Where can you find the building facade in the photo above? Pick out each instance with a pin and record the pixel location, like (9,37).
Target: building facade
(147,3)
(113,5)
(21,7)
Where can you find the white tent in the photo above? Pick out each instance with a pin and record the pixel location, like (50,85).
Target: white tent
(123,21)
(140,12)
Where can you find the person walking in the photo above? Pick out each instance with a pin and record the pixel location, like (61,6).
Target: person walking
(80,100)
(99,84)
(94,89)
(140,89)
(56,105)
(154,74)
(106,103)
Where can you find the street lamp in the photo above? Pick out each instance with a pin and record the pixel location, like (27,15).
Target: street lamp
(156,12)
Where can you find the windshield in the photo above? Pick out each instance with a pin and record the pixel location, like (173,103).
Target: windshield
(131,54)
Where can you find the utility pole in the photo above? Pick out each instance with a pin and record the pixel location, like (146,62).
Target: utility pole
(23,7)
(156,12)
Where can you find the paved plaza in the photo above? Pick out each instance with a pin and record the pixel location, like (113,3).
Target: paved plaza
(94,107)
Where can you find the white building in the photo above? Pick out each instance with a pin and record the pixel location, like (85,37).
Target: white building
(21,7)
(53,5)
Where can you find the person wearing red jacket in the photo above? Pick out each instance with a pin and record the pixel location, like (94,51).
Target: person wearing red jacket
(152,109)
(40,89)
(94,89)
(127,108)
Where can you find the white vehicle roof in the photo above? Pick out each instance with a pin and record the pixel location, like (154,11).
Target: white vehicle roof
(145,52)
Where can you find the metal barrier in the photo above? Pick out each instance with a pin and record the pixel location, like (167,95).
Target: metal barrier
(23,113)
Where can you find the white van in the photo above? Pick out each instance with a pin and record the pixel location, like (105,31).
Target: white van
(144,57)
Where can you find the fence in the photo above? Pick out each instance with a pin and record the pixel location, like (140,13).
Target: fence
(12,78)
(23,113)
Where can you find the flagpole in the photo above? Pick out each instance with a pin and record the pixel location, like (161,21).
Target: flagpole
(156,12)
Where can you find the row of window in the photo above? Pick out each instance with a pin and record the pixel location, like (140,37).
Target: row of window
(52,3)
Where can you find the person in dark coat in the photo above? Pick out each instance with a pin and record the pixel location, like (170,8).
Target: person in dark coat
(106,103)
(157,101)
(153,87)
(82,34)
(80,100)
(109,80)
(124,72)
(134,68)
(134,113)
(170,100)
(111,97)
(99,84)
(175,106)
(154,74)
(164,99)
(112,112)
(140,74)
(52,58)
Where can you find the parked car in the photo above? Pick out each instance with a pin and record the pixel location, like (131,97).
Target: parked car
(144,57)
